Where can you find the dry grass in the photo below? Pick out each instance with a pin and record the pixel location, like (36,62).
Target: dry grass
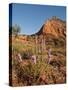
(26,73)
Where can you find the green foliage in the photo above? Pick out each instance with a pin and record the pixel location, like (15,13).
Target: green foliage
(59,42)
(26,54)
(16,30)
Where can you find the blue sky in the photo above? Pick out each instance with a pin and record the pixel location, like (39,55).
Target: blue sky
(31,17)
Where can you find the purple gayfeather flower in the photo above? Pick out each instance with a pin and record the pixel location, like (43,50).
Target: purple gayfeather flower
(19,56)
(33,58)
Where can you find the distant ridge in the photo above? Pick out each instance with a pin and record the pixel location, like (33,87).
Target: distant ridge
(53,27)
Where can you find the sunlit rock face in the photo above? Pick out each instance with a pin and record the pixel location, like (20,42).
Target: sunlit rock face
(55,27)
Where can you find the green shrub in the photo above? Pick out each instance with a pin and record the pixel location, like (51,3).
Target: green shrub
(39,73)
(26,54)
